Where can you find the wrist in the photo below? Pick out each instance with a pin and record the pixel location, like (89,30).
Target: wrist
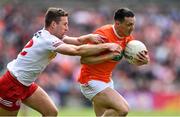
(84,39)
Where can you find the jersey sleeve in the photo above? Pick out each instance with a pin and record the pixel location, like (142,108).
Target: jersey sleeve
(53,42)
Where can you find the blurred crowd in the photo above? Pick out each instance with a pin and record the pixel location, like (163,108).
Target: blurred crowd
(159,30)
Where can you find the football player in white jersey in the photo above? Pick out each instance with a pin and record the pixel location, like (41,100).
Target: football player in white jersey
(17,84)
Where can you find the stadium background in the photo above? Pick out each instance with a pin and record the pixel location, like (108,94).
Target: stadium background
(155,86)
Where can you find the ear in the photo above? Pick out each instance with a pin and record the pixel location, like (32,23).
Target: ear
(53,24)
(117,23)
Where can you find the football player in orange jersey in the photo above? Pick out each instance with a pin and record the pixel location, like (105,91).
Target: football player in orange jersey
(95,77)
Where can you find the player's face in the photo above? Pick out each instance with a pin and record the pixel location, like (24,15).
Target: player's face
(127,26)
(61,27)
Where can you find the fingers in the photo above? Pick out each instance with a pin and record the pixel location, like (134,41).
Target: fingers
(145,52)
(142,58)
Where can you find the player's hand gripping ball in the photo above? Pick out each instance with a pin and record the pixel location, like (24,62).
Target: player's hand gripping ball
(133,48)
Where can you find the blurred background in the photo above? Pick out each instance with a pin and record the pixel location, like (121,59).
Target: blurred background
(155,86)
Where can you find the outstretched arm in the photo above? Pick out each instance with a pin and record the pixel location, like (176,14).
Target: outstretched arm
(89,38)
(87,49)
(98,59)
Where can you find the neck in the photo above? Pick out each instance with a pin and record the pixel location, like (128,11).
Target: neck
(118,33)
(49,30)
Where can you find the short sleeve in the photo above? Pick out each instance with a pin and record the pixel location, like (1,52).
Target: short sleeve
(53,42)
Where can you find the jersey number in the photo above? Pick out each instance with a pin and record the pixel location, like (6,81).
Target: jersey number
(28,45)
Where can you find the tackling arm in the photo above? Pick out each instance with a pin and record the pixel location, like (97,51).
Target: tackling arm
(92,38)
(86,49)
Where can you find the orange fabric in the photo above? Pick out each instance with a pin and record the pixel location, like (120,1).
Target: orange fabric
(102,71)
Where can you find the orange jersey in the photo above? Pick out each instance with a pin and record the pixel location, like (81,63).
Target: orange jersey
(103,71)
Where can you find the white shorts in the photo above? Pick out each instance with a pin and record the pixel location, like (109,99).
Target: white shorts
(93,87)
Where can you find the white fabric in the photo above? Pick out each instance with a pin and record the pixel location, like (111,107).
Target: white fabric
(93,87)
(38,53)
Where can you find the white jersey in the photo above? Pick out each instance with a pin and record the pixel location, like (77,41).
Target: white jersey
(35,56)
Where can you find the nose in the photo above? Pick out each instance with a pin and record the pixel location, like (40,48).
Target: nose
(67,28)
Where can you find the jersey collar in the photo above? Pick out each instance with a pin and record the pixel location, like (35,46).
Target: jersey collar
(116,33)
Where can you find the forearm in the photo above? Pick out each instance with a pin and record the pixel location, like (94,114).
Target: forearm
(71,40)
(84,39)
(97,59)
(82,50)
(88,49)
(77,40)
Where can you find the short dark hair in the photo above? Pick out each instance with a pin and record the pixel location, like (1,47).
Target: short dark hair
(54,14)
(121,13)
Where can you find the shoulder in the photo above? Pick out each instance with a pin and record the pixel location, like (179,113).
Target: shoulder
(104,30)
(50,41)
(46,36)
(54,41)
